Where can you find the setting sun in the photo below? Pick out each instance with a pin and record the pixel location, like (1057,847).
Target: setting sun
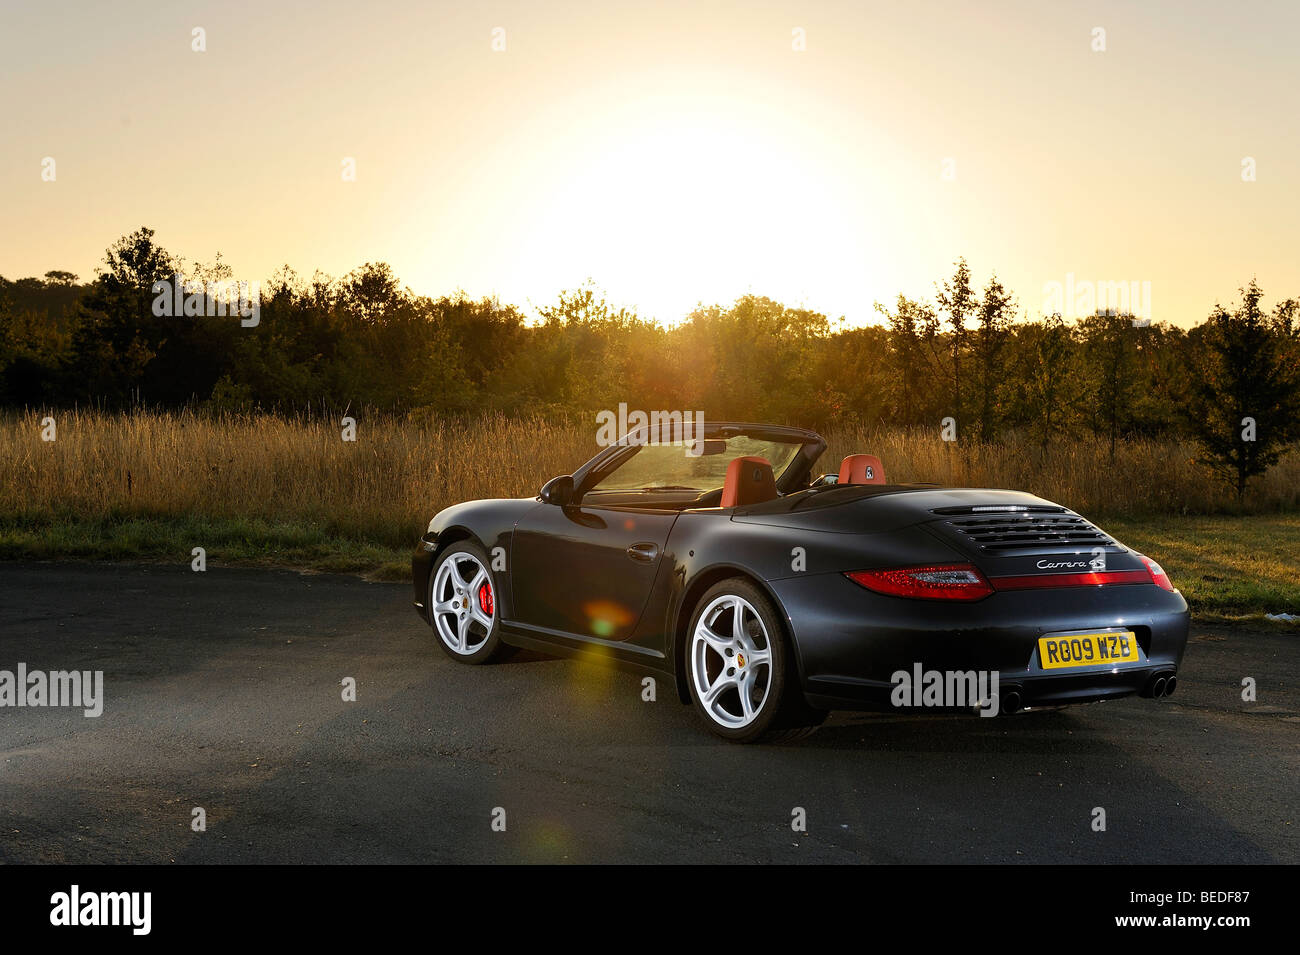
(691,205)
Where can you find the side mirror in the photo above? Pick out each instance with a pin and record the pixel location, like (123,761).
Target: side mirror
(826,480)
(558,490)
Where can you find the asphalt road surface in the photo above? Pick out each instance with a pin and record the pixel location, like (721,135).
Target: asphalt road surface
(223,691)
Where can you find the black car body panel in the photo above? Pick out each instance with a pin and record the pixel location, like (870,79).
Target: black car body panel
(619,582)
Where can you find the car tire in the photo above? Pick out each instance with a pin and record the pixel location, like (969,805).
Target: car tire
(741,674)
(463,607)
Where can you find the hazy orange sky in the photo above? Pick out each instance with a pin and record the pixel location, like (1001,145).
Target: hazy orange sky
(675,152)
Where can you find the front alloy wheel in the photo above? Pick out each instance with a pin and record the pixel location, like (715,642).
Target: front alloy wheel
(463,605)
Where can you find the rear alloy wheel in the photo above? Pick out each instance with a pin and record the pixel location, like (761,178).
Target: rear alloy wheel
(737,667)
(463,606)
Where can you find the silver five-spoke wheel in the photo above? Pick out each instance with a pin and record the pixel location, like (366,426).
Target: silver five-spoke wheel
(731,661)
(462,603)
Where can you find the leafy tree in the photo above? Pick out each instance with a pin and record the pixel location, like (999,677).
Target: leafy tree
(849,381)
(995,313)
(372,293)
(957,301)
(908,326)
(1108,344)
(1044,357)
(754,359)
(1162,388)
(118,334)
(575,355)
(1246,391)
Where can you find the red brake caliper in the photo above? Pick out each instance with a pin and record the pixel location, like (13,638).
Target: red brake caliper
(485,599)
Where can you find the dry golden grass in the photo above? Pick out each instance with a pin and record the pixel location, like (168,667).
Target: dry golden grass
(386,485)
(1148,476)
(390,480)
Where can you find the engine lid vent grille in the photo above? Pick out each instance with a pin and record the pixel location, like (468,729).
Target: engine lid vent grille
(998,534)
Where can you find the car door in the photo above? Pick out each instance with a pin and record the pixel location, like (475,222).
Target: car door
(586,571)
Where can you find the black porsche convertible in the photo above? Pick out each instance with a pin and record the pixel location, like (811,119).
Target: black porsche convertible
(770,594)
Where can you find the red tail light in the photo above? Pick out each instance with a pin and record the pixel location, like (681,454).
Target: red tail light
(1158,575)
(931,582)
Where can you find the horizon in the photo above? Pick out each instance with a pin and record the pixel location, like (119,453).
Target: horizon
(1070,291)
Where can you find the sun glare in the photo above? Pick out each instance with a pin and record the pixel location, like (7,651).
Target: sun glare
(708,209)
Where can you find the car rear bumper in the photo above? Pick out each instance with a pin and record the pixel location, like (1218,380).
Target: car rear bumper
(850,642)
(1014,693)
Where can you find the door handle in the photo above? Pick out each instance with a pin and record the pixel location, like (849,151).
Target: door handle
(645,552)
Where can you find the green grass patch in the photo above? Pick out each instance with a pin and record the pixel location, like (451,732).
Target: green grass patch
(1225,565)
(226,541)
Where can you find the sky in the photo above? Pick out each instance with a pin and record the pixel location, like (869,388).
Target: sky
(826,154)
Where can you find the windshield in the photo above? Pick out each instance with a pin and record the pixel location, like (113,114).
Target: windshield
(669,466)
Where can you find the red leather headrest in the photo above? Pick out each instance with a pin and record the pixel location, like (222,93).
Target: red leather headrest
(861,469)
(749,481)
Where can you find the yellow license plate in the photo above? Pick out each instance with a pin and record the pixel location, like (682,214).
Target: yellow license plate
(1087,650)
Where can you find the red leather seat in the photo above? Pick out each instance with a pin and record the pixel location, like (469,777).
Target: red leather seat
(749,481)
(861,469)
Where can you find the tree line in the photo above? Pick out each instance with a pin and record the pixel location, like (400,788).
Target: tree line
(364,341)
